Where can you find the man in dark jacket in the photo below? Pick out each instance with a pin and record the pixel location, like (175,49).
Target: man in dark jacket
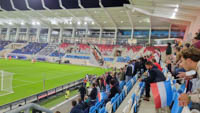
(137,67)
(82,91)
(154,75)
(169,49)
(108,78)
(75,109)
(129,71)
(93,94)
(114,90)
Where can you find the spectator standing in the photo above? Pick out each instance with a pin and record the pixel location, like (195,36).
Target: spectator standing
(129,71)
(154,75)
(114,89)
(114,77)
(93,94)
(122,74)
(82,91)
(169,49)
(108,78)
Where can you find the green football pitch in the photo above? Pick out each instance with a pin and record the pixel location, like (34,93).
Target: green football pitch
(28,77)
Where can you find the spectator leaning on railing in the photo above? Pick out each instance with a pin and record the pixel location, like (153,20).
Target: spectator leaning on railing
(191,61)
(154,75)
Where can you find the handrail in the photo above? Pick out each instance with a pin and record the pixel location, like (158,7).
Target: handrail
(29,106)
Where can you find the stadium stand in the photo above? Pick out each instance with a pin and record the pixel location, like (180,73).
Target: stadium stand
(50,48)
(141,46)
(57,54)
(3,44)
(31,48)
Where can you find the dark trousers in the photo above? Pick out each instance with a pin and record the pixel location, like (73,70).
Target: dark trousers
(147,89)
(82,97)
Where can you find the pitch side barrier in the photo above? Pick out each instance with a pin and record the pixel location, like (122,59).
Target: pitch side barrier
(67,56)
(42,95)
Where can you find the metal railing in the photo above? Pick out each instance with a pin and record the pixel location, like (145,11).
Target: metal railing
(30,107)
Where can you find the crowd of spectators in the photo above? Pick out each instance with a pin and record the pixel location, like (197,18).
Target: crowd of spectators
(182,62)
(110,83)
(186,68)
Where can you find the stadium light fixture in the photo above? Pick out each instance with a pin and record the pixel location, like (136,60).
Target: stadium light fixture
(22,23)
(85,23)
(176,9)
(38,23)
(173,15)
(10,23)
(92,23)
(53,22)
(33,23)
(70,22)
(79,23)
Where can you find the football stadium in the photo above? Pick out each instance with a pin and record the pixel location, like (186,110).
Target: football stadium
(99,56)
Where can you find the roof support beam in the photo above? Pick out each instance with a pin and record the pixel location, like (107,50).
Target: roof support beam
(132,7)
(188,12)
(3,10)
(190,3)
(150,28)
(46,8)
(61,5)
(129,17)
(28,6)
(107,13)
(80,5)
(19,11)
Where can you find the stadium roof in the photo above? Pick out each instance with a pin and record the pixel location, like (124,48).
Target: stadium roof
(120,14)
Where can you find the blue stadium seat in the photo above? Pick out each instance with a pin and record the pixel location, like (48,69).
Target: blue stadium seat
(123,94)
(114,107)
(121,85)
(102,110)
(133,98)
(98,105)
(121,97)
(93,109)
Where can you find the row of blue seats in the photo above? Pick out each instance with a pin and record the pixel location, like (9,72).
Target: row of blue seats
(57,54)
(31,48)
(3,44)
(135,99)
(99,107)
(119,59)
(133,102)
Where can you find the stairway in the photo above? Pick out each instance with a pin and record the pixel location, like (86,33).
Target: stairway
(48,50)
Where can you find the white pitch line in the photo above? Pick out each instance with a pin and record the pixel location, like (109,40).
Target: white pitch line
(23,80)
(64,102)
(52,78)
